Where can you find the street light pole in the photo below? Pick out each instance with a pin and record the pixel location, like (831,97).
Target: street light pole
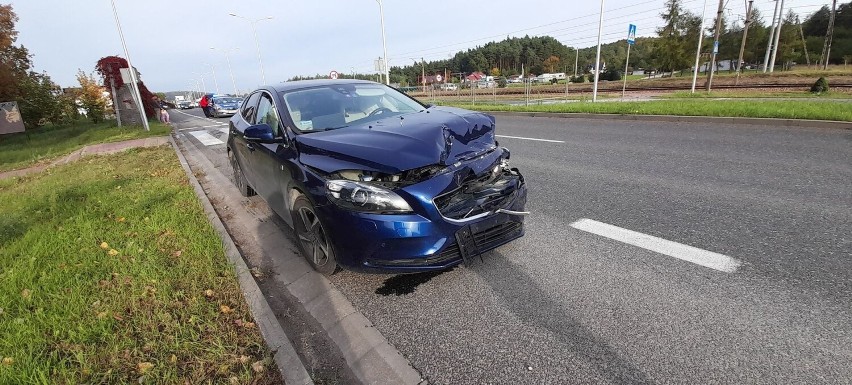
(256,42)
(203,85)
(215,82)
(133,79)
(598,56)
(231,71)
(384,43)
(698,50)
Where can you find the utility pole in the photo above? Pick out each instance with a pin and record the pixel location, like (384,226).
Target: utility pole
(829,33)
(715,45)
(804,45)
(771,39)
(743,43)
(777,38)
(576,60)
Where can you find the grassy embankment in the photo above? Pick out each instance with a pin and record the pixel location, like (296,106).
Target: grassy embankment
(783,109)
(112,274)
(46,143)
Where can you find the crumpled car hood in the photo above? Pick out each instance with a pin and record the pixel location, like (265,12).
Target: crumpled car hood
(439,135)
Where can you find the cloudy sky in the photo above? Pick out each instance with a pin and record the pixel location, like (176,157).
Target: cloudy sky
(170,41)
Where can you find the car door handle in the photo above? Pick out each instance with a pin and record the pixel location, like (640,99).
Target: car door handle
(249,146)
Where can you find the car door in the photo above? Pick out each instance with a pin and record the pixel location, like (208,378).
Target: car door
(245,151)
(274,160)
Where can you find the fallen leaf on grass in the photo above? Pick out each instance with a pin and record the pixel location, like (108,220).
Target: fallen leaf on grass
(249,325)
(104,245)
(102,315)
(177,253)
(120,219)
(226,309)
(243,359)
(173,359)
(209,293)
(258,367)
(7,361)
(117,317)
(144,366)
(26,294)
(113,252)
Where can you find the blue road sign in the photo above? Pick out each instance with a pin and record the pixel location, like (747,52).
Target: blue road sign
(631,34)
(716,47)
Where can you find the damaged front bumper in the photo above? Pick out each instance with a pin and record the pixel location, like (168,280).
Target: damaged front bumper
(467,211)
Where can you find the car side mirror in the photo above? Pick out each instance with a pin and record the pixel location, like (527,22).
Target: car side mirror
(261,133)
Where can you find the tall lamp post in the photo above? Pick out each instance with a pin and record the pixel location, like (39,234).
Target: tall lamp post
(230,71)
(256,43)
(215,82)
(384,42)
(203,86)
(133,79)
(598,56)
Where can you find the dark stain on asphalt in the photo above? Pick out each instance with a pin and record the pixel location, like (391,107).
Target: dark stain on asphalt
(407,283)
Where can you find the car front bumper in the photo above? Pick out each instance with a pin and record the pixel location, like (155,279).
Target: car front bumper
(424,240)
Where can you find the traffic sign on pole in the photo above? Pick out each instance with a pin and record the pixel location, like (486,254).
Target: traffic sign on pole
(333,74)
(631,34)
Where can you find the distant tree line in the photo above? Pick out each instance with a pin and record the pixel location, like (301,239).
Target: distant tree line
(673,49)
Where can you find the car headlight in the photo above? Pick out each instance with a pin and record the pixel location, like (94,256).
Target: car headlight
(364,197)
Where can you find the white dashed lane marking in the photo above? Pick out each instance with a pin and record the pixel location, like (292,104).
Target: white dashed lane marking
(536,139)
(680,251)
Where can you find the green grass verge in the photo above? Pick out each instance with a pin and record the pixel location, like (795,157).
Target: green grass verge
(105,265)
(783,109)
(43,144)
(757,94)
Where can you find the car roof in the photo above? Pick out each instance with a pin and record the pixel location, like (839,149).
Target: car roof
(300,84)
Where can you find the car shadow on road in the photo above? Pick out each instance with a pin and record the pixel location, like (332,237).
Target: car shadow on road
(527,301)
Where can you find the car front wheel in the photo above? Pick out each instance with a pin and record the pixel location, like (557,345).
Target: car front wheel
(313,241)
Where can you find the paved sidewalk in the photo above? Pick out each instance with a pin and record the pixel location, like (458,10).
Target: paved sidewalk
(102,148)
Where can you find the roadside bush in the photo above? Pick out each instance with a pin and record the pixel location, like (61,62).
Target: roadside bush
(611,75)
(592,78)
(578,79)
(821,86)
(501,82)
(554,81)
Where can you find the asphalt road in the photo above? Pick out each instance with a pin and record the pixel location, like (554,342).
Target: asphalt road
(565,305)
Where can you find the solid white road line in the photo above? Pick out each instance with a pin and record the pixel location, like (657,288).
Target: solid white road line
(205,138)
(672,249)
(521,137)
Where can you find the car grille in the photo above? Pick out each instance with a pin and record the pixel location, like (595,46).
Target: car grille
(490,238)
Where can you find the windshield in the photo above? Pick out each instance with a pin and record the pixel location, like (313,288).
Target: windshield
(341,105)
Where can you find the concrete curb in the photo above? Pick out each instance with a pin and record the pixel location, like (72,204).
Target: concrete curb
(286,359)
(372,359)
(687,119)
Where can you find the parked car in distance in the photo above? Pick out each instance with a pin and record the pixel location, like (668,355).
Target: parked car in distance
(224,106)
(372,180)
(184,105)
(449,86)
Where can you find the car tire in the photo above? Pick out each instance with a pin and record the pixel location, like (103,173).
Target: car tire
(240,178)
(312,239)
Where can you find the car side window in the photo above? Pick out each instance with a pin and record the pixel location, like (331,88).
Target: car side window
(266,113)
(250,107)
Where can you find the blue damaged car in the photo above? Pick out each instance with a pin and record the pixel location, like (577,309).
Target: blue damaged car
(371,180)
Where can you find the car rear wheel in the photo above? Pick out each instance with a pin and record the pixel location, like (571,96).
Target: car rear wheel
(239,178)
(313,241)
